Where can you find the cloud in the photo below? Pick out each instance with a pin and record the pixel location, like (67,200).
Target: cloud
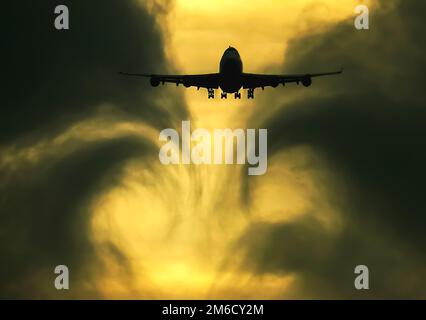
(54,77)
(368,127)
(57,80)
(46,211)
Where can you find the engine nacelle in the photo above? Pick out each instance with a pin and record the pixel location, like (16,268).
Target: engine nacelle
(186,82)
(306,81)
(155,82)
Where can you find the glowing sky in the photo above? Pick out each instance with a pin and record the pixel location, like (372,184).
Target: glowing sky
(178,227)
(81,183)
(201,30)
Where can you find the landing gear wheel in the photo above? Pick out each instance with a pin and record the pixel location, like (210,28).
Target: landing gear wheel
(223,95)
(237,95)
(210,92)
(250,93)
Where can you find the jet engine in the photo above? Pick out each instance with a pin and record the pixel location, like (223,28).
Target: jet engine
(155,82)
(306,81)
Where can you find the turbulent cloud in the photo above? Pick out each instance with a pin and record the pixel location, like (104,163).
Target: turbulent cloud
(368,127)
(71,127)
(56,80)
(56,76)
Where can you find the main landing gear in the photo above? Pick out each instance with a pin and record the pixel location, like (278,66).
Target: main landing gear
(250,93)
(224,95)
(210,93)
(237,95)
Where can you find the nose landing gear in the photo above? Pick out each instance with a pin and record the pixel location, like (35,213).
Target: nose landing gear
(237,95)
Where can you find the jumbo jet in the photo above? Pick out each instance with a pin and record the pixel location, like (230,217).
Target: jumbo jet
(231,78)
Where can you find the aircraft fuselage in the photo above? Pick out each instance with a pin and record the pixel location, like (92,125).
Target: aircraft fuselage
(231,69)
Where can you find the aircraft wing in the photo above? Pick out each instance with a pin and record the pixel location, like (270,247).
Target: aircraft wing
(252,81)
(210,80)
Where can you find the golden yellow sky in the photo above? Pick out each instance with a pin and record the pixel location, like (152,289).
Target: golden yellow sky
(176,224)
(199,32)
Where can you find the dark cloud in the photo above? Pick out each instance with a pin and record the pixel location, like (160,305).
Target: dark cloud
(55,79)
(45,214)
(368,125)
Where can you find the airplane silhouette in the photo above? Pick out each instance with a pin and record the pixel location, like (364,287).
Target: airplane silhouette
(231,78)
